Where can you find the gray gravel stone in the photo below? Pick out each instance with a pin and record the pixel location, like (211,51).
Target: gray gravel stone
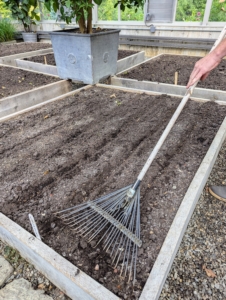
(21,269)
(6,270)
(20,289)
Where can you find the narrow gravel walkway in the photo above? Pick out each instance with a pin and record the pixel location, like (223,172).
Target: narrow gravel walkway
(22,277)
(199,269)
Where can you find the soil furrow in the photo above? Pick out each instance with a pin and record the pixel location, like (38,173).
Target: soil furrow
(92,149)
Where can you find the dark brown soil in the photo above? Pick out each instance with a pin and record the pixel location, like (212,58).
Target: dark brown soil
(91,144)
(50,60)
(14,81)
(163,68)
(17,48)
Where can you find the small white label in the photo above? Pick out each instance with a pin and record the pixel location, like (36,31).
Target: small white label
(34,226)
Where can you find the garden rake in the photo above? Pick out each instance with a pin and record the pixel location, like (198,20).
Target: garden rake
(115,218)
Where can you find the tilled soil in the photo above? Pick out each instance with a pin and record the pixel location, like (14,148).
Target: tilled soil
(162,69)
(50,60)
(93,143)
(17,48)
(14,81)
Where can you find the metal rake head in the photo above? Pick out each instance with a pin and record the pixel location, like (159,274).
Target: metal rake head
(114,219)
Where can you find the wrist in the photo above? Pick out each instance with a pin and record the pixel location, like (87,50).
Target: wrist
(220,51)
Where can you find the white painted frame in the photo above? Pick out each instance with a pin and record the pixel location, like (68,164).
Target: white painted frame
(203,23)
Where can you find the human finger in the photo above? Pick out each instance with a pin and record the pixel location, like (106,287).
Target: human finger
(194,78)
(204,76)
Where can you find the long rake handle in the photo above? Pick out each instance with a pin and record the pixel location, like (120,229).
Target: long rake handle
(174,117)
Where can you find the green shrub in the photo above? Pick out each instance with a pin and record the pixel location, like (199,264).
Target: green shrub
(4,11)
(7,30)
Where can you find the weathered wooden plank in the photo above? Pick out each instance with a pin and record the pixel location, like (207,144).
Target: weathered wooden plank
(166,45)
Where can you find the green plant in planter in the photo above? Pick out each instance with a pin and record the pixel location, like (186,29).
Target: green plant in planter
(81,10)
(25,11)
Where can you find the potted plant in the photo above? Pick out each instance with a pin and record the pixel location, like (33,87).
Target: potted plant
(26,12)
(85,54)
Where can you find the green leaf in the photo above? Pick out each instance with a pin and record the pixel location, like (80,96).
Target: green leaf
(98,2)
(48,5)
(55,6)
(62,10)
(122,7)
(68,3)
(37,17)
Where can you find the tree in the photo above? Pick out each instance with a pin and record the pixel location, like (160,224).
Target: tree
(25,11)
(81,10)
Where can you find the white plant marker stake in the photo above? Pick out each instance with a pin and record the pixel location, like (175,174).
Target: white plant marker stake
(34,226)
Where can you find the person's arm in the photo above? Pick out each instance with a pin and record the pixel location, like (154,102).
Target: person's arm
(206,64)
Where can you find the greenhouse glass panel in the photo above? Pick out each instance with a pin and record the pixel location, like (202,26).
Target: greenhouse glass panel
(107,12)
(190,10)
(132,15)
(218,11)
(161,11)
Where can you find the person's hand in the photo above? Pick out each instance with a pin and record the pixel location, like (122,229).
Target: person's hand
(203,67)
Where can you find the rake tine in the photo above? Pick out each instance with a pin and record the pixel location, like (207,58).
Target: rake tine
(93,226)
(110,239)
(118,252)
(104,223)
(129,241)
(98,230)
(103,236)
(127,244)
(124,223)
(111,229)
(76,219)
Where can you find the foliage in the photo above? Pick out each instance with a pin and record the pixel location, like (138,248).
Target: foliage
(4,11)
(218,11)
(107,12)
(46,14)
(193,10)
(25,11)
(190,10)
(7,30)
(81,10)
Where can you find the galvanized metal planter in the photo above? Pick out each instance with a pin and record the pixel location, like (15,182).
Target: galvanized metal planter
(85,57)
(30,37)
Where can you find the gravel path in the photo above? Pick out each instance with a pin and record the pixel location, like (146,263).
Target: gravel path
(199,269)
(22,269)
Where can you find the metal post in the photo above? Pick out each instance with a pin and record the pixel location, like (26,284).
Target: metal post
(119,12)
(207,12)
(95,13)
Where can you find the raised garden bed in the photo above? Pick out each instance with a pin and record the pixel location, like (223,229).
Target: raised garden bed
(14,81)
(11,49)
(49,58)
(22,89)
(162,69)
(9,53)
(90,144)
(46,63)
